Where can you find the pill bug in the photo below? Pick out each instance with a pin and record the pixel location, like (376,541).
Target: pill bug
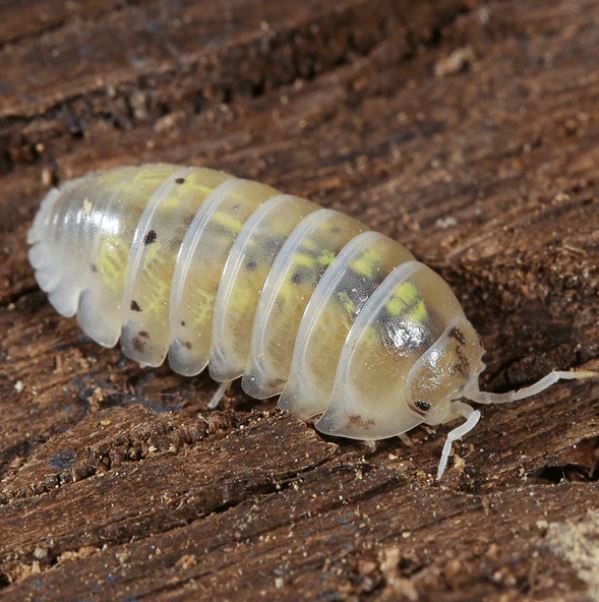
(297,300)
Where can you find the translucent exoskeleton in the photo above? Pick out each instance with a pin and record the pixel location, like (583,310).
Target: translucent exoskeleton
(302,302)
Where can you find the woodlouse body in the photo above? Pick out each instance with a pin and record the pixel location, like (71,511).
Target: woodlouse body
(299,301)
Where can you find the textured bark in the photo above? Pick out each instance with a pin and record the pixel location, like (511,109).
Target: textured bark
(469,132)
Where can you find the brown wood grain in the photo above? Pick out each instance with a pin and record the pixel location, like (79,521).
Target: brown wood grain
(470,132)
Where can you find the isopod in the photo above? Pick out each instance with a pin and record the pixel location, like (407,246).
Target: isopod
(297,300)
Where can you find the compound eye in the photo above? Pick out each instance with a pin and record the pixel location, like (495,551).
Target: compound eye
(421,406)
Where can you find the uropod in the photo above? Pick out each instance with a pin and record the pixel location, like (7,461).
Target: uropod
(301,302)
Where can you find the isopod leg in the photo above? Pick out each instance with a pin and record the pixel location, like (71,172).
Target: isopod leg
(219,394)
(370,445)
(472,417)
(405,439)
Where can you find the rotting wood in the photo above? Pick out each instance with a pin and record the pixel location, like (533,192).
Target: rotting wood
(117,483)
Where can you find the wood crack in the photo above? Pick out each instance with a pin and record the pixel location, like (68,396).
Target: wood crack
(128,104)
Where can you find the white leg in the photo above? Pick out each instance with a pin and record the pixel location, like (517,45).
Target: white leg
(541,385)
(472,417)
(405,439)
(370,444)
(219,394)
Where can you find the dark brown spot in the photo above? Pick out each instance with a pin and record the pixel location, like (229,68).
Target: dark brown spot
(357,420)
(423,406)
(150,237)
(458,335)
(94,267)
(296,278)
(275,383)
(135,305)
(144,334)
(138,344)
(251,265)
(188,345)
(182,322)
(462,366)
(180,180)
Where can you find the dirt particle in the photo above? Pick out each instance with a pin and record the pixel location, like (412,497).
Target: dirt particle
(96,399)
(458,60)
(84,552)
(135,305)
(366,567)
(452,571)
(446,222)
(389,564)
(578,542)
(186,562)
(41,553)
(47,177)
(122,557)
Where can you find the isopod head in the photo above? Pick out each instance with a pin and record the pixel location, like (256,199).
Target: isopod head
(410,352)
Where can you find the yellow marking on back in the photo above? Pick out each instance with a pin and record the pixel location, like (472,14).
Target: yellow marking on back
(152,254)
(303,260)
(419,313)
(227,221)
(370,338)
(403,295)
(366,264)
(204,310)
(171,202)
(285,293)
(349,309)
(112,262)
(240,301)
(309,244)
(326,258)
(158,298)
(348,305)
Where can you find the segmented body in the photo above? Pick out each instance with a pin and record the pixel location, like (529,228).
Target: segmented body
(299,301)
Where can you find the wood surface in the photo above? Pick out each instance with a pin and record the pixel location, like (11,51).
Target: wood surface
(469,131)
